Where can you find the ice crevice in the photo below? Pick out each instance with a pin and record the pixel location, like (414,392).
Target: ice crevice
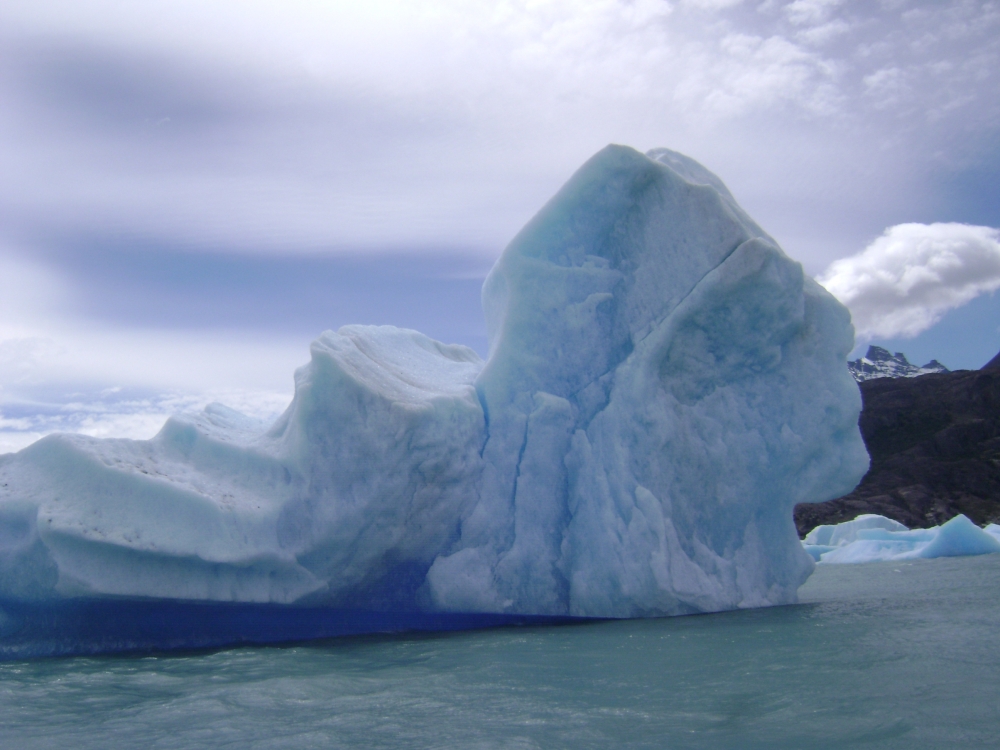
(663,385)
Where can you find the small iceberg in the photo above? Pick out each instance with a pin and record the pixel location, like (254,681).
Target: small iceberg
(873,538)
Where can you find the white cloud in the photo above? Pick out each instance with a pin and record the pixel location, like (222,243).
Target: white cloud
(802,12)
(824,33)
(112,413)
(45,339)
(907,279)
(27,290)
(63,373)
(884,83)
(711,4)
(754,73)
(58,383)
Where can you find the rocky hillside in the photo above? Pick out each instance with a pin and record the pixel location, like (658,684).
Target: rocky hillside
(934,442)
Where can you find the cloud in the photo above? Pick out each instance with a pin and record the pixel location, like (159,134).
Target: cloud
(142,142)
(907,279)
(28,290)
(748,73)
(64,369)
(322,126)
(801,12)
(118,412)
(121,337)
(116,382)
(711,4)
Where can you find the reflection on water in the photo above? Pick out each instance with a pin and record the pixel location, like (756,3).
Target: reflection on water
(881,655)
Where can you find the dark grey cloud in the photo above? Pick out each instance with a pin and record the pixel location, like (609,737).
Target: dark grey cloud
(300,296)
(72,84)
(147,142)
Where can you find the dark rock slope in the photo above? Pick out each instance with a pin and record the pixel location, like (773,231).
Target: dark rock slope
(934,442)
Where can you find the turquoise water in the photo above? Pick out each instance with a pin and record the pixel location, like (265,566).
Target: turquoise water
(883,655)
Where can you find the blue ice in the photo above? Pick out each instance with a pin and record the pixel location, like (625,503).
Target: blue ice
(663,386)
(871,538)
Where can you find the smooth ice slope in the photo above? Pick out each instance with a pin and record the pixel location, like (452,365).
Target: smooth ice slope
(871,538)
(663,386)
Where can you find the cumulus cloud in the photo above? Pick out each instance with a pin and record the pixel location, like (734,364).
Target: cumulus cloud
(907,279)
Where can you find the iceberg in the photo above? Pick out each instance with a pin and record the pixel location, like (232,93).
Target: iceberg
(874,538)
(663,386)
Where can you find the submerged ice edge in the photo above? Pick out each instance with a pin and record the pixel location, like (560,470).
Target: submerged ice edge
(95,626)
(873,538)
(663,386)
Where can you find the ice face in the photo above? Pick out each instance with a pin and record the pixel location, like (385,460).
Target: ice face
(873,538)
(663,386)
(837,535)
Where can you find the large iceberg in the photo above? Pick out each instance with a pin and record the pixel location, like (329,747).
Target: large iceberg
(663,386)
(874,538)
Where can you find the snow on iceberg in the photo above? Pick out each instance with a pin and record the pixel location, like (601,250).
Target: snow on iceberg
(872,538)
(663,386)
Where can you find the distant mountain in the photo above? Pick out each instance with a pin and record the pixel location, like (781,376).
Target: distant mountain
(879,363)
(934,443)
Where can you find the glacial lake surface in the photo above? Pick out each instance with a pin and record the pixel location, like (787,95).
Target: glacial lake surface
(881,655)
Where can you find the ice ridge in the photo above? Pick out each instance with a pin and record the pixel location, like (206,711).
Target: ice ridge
(663,385)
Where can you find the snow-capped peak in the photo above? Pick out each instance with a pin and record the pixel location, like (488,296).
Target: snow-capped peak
(879,363)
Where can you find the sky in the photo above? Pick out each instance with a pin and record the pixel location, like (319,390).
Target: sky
(193,191)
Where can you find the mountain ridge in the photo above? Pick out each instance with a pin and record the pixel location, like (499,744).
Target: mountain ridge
(880,363)
(934,442)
